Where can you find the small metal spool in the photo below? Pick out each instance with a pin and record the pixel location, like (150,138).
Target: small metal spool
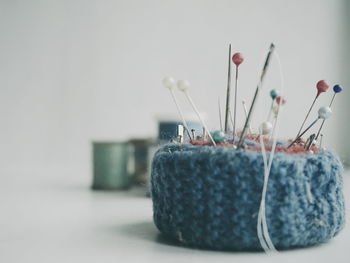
(110,165)
(180,133)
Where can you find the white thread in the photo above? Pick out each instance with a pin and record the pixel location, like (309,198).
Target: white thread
(274,132)
(262,216)
(281,92)
(263,234)
(308,193)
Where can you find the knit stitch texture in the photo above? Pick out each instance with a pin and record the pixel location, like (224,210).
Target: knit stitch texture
(208,197)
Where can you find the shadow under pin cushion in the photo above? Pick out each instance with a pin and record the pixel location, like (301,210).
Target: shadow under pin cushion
(208,197)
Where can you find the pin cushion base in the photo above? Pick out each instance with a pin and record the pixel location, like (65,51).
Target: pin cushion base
(208,197)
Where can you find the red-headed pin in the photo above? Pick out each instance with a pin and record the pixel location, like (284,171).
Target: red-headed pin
(273,94)
(280,102)
(237,59)
(322,86)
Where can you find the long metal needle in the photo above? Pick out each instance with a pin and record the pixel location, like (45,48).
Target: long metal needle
(246,125)
(227,112)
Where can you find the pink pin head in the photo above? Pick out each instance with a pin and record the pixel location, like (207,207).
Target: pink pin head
(280,100)
(322,86)
(237,58)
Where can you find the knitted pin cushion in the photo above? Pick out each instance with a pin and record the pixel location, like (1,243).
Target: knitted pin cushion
(208,197)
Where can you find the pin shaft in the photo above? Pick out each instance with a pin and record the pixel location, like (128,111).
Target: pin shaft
(319,130)
(307,115)
(235,106)
(330,104)
(227,112)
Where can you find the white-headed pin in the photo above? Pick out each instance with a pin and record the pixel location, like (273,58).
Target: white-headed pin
(184,85)
(170,84)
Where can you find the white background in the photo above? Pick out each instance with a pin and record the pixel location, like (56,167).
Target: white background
(73,71)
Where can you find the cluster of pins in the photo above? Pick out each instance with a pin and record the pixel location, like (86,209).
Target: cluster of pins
(324,113)
(228,137)
(184,86)
(267,128)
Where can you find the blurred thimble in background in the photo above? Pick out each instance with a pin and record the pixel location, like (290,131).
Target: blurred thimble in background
(110,165)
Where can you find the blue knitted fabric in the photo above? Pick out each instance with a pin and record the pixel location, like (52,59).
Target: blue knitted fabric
(209,197)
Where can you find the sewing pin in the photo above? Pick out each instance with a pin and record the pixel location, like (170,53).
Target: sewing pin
(337,89)
(237,59)
(321,86)
(273,94)
(193,134)
(280,102)
(246,125)
(227,111)
(184,85)
(170,84)
(265,128)
(323,113)
(231,119)
(219,136)
(276,109)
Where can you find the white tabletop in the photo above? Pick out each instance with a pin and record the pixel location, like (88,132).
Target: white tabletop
(57,218)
